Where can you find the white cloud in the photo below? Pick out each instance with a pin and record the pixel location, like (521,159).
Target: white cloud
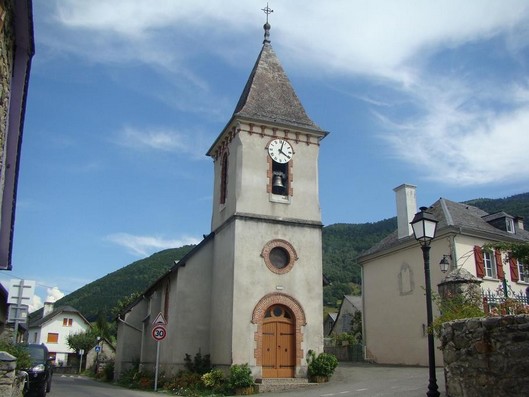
(466,128)
(54,294)
(36,303)
(147,245)
(165,140)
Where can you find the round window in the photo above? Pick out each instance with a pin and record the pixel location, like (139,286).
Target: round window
(279,256)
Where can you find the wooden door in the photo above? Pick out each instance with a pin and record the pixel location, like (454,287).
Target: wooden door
(279,343)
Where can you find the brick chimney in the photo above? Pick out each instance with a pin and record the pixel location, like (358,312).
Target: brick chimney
(406,208)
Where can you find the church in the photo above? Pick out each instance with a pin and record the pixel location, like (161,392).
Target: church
(251,290)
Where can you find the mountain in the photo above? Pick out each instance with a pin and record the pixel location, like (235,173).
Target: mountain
(103,294)
(342,243)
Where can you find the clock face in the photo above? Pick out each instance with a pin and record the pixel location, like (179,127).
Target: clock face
(280,151)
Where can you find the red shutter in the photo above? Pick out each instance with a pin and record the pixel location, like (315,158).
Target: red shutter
(513,265)
(480,266)
(499,265)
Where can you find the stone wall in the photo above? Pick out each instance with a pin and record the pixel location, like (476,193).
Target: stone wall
(10,385)
(487,356)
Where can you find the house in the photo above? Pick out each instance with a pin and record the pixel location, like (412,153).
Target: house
(251,290)
(350,306)
(394,305)
(16,51)
(328,323)
(53,329)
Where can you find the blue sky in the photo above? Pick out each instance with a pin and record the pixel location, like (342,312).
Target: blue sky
(126,97)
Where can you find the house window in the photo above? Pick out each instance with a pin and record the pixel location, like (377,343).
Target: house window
(509,225)
(52,338)
(523,273)
(35,337)
(67,322)
(490,264)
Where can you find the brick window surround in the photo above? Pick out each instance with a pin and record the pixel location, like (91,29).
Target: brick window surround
(293,256)
(277,298)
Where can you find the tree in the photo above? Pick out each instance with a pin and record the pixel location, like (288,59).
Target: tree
(83,340)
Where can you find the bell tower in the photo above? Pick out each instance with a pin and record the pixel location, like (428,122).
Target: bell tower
(267,271)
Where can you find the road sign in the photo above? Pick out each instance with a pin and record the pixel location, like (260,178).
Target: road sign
(159,332)
(159,320)
(98,349)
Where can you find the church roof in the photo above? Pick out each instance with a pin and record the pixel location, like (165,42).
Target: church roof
(269,96)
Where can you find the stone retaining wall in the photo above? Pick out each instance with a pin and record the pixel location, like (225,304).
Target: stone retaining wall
(10,385)
(487,356)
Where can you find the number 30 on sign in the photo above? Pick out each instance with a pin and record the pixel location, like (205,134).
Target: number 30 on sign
(159,332)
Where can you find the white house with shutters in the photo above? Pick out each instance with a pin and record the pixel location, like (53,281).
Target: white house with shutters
(394,303)
(251,291)
(53,329)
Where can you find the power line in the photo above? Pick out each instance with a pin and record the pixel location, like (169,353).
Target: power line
(10,275)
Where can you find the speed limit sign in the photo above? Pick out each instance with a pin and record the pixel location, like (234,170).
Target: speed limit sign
(159,332)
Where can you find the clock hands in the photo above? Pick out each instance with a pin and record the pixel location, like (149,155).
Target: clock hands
(281,150)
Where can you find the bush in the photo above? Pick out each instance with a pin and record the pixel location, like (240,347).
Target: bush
(108,371)
(240,376)
(213,379)
(200,364)
(23,358)
(323,365)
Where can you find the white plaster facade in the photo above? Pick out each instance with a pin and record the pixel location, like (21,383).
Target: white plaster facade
(394,281)
(54,328)
(219,297)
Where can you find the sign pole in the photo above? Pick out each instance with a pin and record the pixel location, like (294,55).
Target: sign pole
(157,363)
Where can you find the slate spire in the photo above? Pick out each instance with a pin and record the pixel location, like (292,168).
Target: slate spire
(268,94)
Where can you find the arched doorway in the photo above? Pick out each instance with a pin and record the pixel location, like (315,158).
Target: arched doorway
(279,343)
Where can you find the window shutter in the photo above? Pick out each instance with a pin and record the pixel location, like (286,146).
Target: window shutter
(499,265)
(480,266)
(513,265)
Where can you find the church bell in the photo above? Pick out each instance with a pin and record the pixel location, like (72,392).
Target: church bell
(278,181)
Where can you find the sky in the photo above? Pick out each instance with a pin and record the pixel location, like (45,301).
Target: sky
(126,97)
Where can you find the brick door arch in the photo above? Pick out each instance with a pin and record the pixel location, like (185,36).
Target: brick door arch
(259,318)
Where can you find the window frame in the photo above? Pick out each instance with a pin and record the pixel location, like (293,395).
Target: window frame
(489,260)
(53,340)
(522,276)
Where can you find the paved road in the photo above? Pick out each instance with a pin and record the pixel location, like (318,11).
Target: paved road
(366,380)
(76,386)
(359,380)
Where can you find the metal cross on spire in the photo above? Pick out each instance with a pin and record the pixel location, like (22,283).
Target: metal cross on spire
(267,10)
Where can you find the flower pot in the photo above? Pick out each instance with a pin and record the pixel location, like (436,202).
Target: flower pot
(319,379)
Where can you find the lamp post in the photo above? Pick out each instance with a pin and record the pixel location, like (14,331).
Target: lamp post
(424,225)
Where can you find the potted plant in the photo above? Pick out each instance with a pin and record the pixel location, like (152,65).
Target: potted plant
(241,379)
(321,367)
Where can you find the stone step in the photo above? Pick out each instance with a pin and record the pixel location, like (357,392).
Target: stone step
(282,384)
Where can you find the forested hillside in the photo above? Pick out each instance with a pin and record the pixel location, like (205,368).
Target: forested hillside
(342,243)
(103,294)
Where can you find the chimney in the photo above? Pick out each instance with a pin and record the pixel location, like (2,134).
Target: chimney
(406,208)
(48,308)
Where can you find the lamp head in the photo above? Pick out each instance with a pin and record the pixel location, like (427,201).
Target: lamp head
(424,225)
(445,263)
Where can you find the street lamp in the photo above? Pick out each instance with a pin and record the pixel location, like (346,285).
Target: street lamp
(445,263)
(424,225)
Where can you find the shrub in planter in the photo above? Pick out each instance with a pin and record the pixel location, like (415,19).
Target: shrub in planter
(321,367)
(241,379)
(213,380)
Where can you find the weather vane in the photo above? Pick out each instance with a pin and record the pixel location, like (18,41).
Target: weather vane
(267,10)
